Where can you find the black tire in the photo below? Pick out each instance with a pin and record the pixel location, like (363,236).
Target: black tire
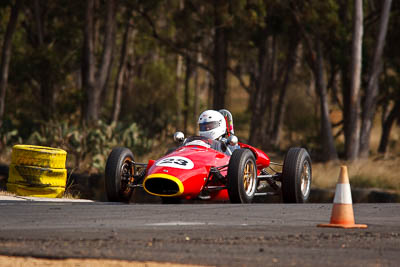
(238,190)
(117,189)
(171,200)
(297,176)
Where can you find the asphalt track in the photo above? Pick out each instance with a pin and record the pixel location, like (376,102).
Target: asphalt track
(214,234)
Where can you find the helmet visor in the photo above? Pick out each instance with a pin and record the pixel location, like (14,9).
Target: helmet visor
(207,126)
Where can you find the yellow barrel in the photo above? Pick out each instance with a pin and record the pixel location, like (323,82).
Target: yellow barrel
(37,171)
(37,176)
(40,156)
(30,191)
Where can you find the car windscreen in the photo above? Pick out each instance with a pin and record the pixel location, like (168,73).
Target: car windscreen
(202,141)
(198,141)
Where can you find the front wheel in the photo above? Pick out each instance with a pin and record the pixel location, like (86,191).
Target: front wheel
(119,170)
(242,176)
(296,180)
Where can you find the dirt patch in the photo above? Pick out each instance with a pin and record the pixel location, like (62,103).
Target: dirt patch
(6,193)
(7,261)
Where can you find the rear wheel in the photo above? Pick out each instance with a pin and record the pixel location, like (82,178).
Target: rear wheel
(296,180)
(242,176)
(118,172)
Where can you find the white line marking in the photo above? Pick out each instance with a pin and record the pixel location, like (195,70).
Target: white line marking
(177,223)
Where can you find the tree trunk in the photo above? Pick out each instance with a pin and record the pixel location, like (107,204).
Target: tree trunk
(107,57)
(46,83)
(95,82)
(96,28)
(196,102)
(128,85)
(353,128)
(387,127)
(210,91)
(88,61)
(257,106)
(281,105)
(6,55)
(269,97)
(38,22)
(316,63)
(126,52)
(220,58)
(178,90)
(328,143)
(369,107)
(186,95)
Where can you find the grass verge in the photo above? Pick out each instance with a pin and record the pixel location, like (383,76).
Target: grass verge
(371,173)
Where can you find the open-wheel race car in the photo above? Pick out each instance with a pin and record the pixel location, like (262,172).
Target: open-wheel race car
(199,169)
(207,169)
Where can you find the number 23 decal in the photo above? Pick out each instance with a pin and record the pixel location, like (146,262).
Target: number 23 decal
(176,162)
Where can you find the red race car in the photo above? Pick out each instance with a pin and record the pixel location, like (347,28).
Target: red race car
(207,169)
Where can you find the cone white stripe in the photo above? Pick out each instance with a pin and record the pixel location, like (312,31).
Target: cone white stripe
(343,194)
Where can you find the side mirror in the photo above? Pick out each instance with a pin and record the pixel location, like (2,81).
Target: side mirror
(179,137)
(232,140)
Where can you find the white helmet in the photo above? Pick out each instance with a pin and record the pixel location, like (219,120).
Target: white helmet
(212,124)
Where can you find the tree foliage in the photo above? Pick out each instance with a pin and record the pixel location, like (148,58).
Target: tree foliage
(89,65)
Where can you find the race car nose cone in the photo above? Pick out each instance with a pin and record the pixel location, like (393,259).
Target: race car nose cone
(163,185)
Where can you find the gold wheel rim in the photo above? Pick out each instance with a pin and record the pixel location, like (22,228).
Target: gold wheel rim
(249,177)
(125,189)
(305,178)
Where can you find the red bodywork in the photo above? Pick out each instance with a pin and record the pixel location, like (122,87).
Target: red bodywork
(185,180)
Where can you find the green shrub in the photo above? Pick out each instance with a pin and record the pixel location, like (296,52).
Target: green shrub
(88,147)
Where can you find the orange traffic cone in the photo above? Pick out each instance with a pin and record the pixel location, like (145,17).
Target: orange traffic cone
(342,211)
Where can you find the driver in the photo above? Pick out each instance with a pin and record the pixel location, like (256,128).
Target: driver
(213,125)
